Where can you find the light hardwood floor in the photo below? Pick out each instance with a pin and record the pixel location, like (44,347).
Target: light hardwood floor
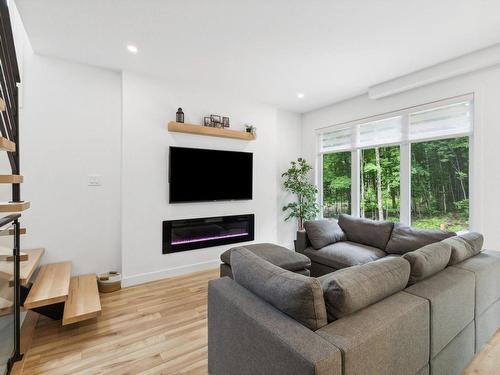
(155,328)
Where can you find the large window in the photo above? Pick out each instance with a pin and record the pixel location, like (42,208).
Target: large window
(440,184)
(336,184)
(410,166)
(379,186)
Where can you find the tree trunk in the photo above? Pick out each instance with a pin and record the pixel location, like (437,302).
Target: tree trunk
(379,185)
(445,209)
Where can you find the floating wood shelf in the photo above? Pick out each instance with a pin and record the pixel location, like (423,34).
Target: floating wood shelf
(212,132)
(83,300)
(11,179)
(7,145)
(51,285)
(14,206)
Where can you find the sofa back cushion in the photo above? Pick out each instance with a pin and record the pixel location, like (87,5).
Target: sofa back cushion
(351,289)
(323,232)
(365,231)
(298,296)
(427,261)
(464,246)
(405,238)
(474,239)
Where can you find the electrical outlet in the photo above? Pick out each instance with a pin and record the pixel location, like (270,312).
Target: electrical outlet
(95,180)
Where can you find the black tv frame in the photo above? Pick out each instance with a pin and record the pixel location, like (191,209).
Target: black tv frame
(207,200)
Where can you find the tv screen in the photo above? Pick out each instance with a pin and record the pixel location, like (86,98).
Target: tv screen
(209,175)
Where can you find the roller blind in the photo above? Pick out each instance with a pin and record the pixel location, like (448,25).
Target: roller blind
(444,121)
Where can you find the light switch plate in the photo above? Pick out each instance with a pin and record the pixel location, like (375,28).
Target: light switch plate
(95,180)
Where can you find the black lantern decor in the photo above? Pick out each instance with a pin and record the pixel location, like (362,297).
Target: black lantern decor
(179,116)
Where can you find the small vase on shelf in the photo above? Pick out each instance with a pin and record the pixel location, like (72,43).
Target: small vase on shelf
(179,116)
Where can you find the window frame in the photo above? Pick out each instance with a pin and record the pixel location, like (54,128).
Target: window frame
(405,155)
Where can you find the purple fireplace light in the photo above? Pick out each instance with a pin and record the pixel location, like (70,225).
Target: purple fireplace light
(189,234)
(177,242)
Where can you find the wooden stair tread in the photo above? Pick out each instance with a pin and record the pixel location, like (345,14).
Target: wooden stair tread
(7,145)
(51,285)
(11,179)
(6,306)
(83,300)
(10,232)
(6,255)
(26,268)
(14,206)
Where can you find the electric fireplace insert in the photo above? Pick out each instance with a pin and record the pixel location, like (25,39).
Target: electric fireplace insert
(190,234)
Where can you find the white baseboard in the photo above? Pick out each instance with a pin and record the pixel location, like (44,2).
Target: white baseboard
(142,278)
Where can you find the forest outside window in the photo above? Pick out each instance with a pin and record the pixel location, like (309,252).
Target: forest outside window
(410,166)
(336,184)
(440,184)
(380,183)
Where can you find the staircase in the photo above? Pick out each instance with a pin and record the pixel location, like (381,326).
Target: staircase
(77,297)
(47,289)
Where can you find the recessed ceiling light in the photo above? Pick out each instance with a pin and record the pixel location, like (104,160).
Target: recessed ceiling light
(132,49)
(300,95)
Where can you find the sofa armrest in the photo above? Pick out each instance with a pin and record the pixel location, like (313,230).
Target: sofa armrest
(302,241)
(246,335)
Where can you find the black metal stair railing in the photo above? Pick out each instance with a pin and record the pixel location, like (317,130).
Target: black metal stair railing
(8,221)
(9,80)
(9,129)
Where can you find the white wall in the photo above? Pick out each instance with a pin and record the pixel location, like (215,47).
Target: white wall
(148,104)
(485,176)
(289,147)
(70,127)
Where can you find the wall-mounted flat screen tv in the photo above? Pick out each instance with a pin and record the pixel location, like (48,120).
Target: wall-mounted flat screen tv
(197,175)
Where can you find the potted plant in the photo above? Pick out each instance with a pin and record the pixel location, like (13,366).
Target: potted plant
(296,181)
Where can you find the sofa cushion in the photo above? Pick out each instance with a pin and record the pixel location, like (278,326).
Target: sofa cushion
(390,337)
(487,324)
(344,254)
(323,232)
(351,289)
(367,232)
(474,239)
(298,296)
(405,238)
(486,268)
(455,357)
(278,255)
(460,249)
(428,261)
(451,297)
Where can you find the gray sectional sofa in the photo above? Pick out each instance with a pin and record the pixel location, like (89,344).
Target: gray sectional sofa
(423,311)
(354,241)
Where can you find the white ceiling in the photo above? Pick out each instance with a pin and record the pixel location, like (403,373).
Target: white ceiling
(269,50)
